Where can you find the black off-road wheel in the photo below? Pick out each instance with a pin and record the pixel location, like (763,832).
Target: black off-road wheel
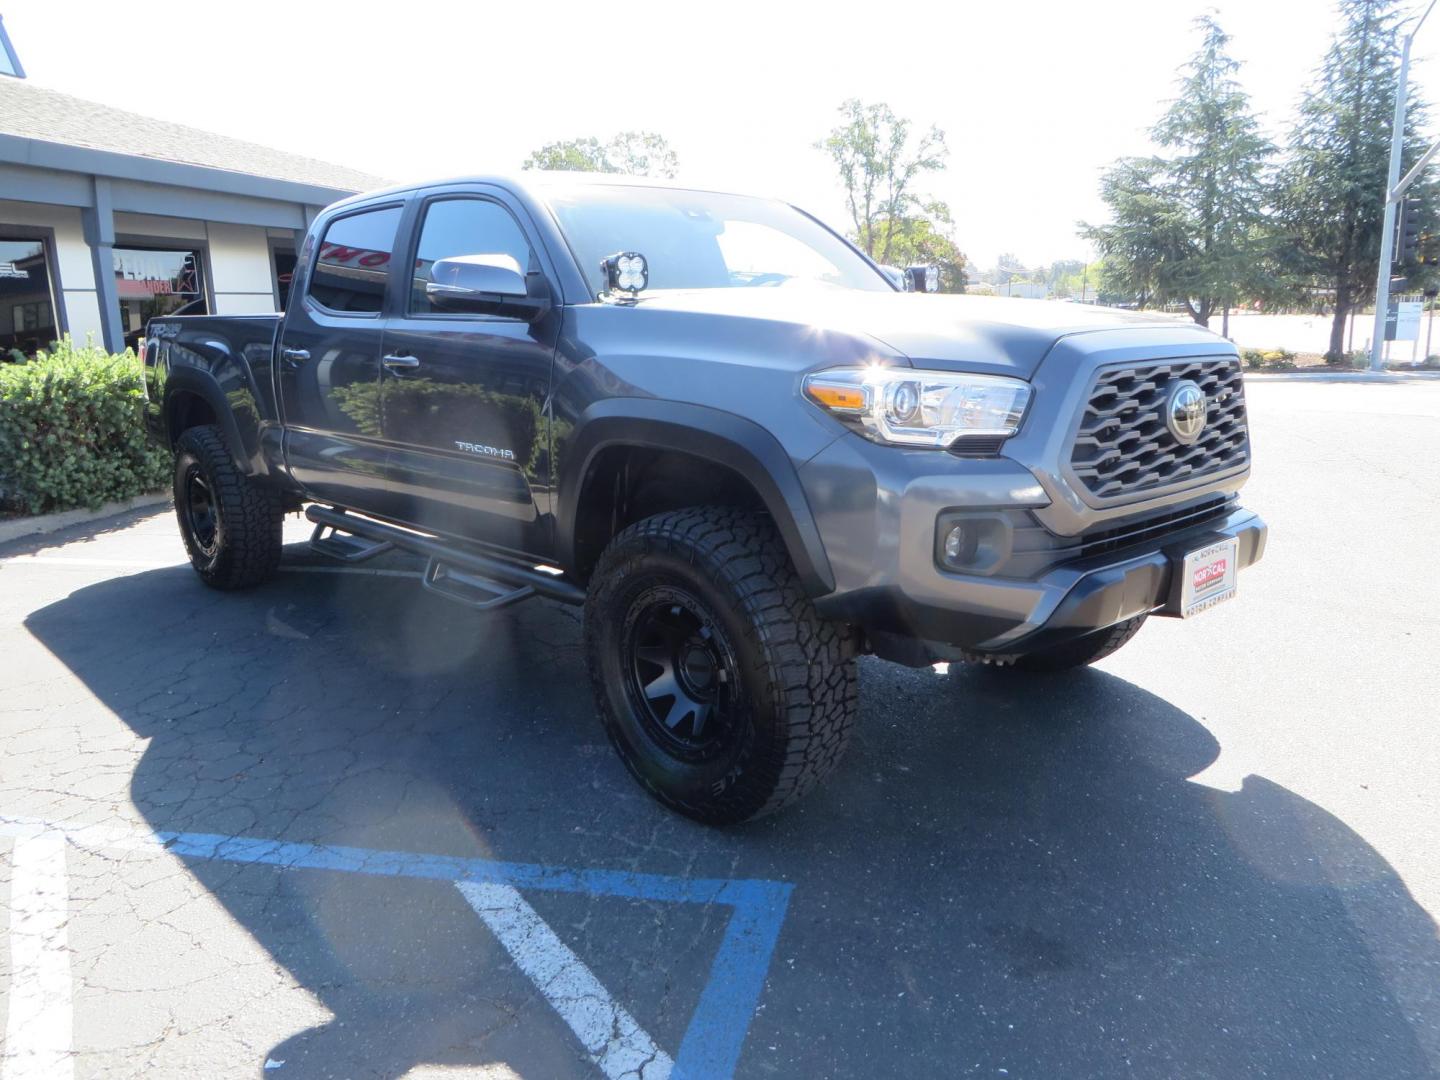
(231,525)
(726,696)
(1083,650)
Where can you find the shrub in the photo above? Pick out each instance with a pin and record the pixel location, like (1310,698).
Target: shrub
(72,431)
(1253,358)
(1279,360)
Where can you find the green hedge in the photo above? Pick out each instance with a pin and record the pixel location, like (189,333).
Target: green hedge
(72,431)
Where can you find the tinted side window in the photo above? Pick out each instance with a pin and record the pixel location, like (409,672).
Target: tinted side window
(464,227)
(354,261)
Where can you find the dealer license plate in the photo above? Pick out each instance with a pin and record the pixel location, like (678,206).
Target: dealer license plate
(1208,576)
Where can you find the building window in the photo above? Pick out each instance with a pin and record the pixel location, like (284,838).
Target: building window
(27,305)
(155,282)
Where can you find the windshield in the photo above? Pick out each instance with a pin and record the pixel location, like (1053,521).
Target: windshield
(702,240)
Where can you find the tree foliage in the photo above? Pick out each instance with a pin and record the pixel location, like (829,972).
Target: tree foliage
(633,153)
(1190,225)
(881,166)
(926,238)
(1333,182)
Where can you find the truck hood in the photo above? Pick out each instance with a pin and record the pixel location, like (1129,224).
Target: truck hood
(970,333)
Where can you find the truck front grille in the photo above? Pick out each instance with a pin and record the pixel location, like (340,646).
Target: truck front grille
(1124,447)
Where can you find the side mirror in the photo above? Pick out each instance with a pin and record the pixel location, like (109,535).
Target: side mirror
(922,279)
(484,284)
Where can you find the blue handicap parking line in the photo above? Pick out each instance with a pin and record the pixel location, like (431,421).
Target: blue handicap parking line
(711,1045)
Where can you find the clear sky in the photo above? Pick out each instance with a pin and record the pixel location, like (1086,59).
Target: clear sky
(1035,98)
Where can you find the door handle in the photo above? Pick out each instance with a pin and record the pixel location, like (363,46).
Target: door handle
(294,356)
(397,363)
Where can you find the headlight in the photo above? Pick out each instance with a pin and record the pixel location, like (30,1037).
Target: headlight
(920,408)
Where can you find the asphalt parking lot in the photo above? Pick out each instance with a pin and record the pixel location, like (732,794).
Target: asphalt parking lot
(335,827)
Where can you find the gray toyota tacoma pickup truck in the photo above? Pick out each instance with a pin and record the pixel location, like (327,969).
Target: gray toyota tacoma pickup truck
(736,441)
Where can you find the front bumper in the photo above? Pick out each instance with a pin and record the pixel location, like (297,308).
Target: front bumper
(985,618)
(1063,563)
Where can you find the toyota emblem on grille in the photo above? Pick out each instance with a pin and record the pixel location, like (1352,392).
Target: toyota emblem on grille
(1185,411)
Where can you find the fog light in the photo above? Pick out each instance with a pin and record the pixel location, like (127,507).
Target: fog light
(955,543)
(967,542)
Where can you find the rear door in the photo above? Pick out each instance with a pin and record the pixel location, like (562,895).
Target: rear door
(329,363)
(465,395)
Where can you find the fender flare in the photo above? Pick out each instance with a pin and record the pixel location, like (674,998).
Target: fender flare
(193,380)
(733,441)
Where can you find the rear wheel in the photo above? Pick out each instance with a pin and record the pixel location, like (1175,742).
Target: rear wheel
(231,525)
(725,694)
(1083,650)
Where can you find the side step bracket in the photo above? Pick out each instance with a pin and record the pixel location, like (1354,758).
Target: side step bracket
(328,540)
(472,590)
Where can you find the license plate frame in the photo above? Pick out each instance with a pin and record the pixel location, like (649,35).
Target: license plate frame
(1208,576)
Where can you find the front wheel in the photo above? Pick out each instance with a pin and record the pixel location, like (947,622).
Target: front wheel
(726,696)
(232,526)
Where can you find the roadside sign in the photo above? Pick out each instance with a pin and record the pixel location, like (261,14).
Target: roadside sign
(1402,320)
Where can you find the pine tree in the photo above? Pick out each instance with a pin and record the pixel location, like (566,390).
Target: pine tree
(1190,225)
(1333,184)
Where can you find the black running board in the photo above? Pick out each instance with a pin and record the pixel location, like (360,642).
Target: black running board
(471,564)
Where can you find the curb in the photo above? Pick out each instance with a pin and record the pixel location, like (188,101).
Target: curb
(48,523)
(1343,376)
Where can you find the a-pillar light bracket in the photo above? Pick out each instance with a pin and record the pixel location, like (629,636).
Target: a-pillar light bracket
(626,273)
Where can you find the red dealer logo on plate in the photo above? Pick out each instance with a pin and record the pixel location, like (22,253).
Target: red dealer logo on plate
(1209,574)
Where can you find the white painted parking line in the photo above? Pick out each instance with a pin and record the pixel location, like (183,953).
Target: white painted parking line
(611,1036)
(38,1027)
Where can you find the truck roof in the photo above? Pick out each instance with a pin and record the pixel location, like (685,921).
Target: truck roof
(538,180)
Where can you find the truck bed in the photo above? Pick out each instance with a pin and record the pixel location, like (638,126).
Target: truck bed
(226,360)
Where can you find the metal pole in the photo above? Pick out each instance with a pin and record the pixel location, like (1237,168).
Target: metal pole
(1387,232)
(1429,328)
(1415,171)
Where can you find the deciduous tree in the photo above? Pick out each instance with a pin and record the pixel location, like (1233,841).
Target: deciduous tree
(927,238)
(881,167)
(634,153)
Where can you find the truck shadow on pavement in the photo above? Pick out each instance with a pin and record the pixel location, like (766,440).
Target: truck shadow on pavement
(1004,875)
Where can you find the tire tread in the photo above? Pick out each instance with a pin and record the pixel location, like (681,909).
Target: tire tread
(811,661)
(251,516)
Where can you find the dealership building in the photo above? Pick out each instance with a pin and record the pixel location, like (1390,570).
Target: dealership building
(108,218)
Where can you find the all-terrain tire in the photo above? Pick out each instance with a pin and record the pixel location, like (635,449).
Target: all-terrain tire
(1084,650)
(790,703)
(238,544)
